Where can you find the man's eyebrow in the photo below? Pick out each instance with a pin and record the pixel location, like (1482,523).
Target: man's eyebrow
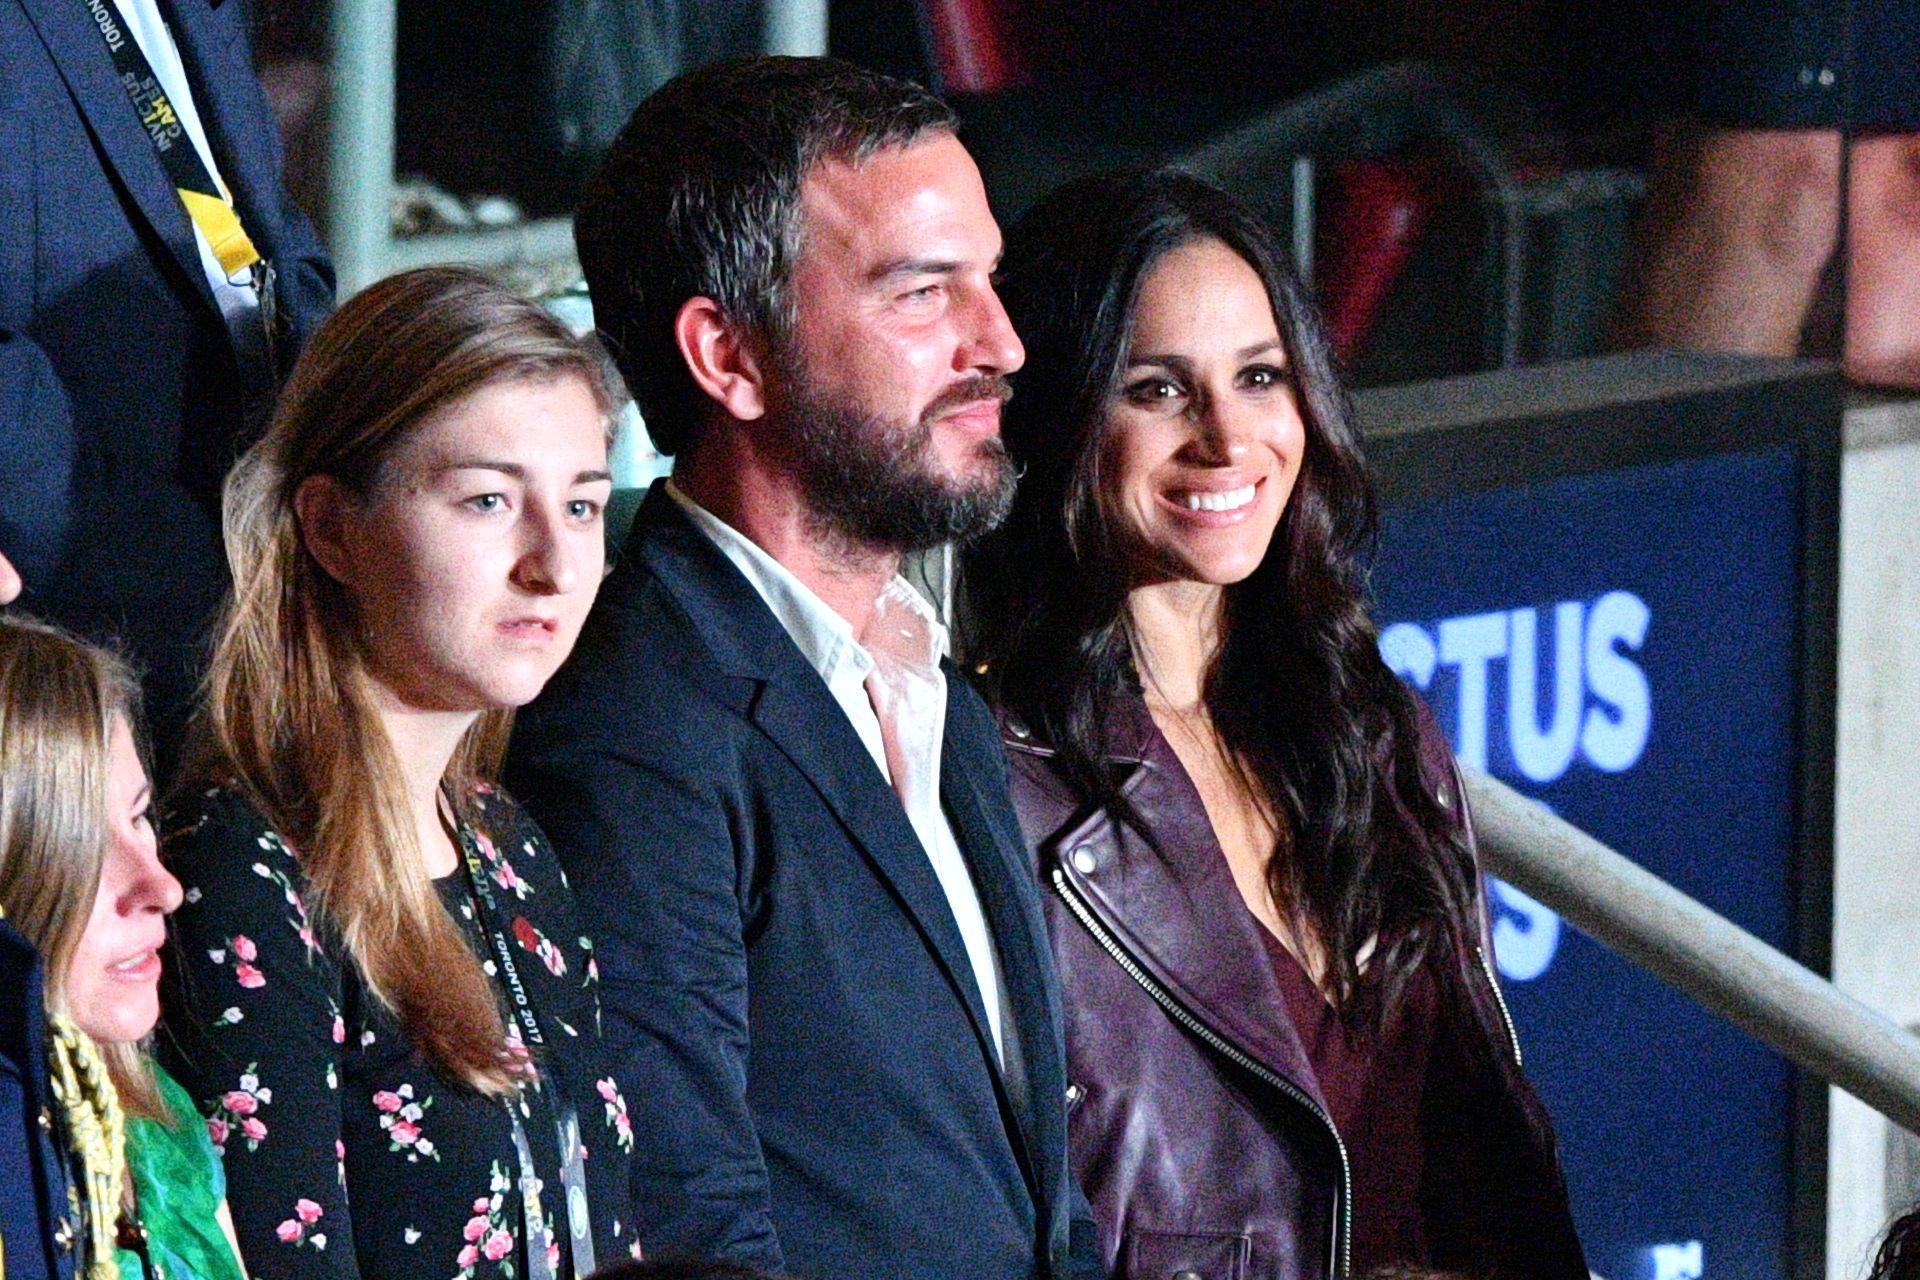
(591,477)
(897,267)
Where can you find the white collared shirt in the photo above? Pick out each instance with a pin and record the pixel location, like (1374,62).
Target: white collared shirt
(915,684)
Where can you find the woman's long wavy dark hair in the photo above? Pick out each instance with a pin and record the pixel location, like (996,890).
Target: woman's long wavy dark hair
(1298,691)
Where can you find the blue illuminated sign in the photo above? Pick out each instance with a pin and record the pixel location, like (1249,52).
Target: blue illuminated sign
(1621,646)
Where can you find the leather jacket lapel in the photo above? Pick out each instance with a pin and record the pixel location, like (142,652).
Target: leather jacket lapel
(1179,912)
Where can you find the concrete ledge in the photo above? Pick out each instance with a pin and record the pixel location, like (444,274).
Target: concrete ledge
(1874,421)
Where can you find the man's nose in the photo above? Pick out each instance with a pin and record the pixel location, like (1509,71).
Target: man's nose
(991,346)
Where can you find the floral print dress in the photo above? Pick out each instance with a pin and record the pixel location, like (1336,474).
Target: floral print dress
(347,1153)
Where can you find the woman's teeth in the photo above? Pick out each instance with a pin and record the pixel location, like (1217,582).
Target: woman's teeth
(133,962)
(1231,500)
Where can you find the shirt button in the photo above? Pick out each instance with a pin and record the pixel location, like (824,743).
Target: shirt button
(46,1120)
(1443,796)
(1083,860)
(1186,1273)
(63,1235)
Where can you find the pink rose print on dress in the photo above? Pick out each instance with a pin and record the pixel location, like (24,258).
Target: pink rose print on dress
(400,1116)
(298,921)
(616,1112)
(237,1110)
(486,1234)
(241,948)
(531,939)
(507,878)
(296,1230)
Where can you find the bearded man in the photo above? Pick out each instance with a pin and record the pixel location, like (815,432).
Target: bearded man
(784,813)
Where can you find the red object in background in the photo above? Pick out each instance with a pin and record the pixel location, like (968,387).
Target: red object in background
(1237,48)
(976,46)
(1372,216)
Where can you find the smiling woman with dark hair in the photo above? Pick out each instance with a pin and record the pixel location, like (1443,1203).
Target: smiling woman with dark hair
(1288,1051)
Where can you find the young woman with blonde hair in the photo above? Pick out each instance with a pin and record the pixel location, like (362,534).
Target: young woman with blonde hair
(385,1007)
(126,1157)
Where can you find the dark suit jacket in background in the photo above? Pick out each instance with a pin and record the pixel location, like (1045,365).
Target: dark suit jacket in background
(788,997)
(33,1177)
(121,399)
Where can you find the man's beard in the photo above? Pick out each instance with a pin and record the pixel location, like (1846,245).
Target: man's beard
(871,483)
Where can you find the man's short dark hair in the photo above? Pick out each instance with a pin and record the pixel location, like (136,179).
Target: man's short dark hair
(699,196)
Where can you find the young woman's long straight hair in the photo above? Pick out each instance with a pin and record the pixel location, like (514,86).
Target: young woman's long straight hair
(1322,731)
(59,701)
(290,707)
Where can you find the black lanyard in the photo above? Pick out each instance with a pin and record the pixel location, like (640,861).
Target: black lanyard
(207,202)
(573,1172)
(168,133)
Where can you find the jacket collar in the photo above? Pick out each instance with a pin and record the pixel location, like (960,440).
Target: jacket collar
(1177,910)
(77,49)
(791,705)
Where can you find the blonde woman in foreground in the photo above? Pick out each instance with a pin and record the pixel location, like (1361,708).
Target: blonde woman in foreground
(384,1006)
(80,878)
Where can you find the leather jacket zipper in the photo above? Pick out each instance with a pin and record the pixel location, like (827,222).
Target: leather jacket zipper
(1341,1262)
(1513,1036)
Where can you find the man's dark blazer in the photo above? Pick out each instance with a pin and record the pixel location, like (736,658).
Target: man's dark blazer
(33,1179)
(121,398)
(794,1018)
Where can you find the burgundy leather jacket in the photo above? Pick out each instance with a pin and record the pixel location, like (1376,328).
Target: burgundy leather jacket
(1195,1124)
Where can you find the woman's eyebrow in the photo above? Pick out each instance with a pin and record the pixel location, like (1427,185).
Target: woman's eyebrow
(1182,362)
(513,469)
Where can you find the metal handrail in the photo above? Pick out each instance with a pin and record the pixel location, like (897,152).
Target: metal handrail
(1381,110)
(360,149)
(1706,956)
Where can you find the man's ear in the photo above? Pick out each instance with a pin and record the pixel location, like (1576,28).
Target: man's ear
(321,505)
(724,364)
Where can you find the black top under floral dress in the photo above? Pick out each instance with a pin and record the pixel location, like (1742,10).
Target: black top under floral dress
(347,1153)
